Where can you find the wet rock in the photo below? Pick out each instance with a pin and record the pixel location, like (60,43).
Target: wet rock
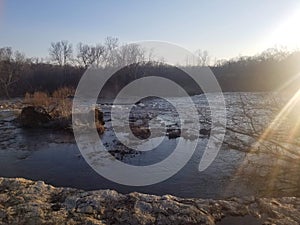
(173,133)
(140,132)
(99,116)
(119,151)
(27,202)
(205,132)
(99,119)
(33,116)
(38,117)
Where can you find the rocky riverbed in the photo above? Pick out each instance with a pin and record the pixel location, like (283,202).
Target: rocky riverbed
(29,202)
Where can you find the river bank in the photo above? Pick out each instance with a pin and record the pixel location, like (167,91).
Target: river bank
(29,202)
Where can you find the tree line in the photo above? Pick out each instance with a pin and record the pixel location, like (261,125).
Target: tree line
(66,64)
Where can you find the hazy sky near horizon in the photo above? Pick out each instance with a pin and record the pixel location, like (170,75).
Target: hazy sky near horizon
(224,28)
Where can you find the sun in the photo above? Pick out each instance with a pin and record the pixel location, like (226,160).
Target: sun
(288,32)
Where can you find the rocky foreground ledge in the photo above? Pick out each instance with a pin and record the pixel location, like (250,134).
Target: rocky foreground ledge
(28,202)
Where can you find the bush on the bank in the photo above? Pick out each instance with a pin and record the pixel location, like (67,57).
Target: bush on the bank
(64,92)
(38,98)
(59,105)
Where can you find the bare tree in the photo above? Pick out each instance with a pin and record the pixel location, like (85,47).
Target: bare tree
(111,43)
(88,54)
(203,58)
(6,54)
(273,53)
(110,46)
(98,52)
(11,67)
(83,54)
(61,52)
(130,54)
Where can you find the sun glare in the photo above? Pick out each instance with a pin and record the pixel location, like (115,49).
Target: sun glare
(288,32)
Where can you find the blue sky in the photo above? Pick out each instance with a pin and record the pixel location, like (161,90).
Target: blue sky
(224,28)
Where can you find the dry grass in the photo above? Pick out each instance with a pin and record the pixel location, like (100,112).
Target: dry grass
(58,105)
(63,92)
(37,99)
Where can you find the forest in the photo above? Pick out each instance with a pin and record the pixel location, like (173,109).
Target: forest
(66,63)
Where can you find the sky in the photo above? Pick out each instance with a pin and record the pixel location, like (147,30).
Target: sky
(224,28)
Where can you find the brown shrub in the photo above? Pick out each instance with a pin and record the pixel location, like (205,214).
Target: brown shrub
(57,107)
(63,92)
(63,108)
(37,99)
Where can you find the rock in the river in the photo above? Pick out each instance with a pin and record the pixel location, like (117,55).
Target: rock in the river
(33,116)
(173,133)
(205,132)
(98,116)
(37,117)
(99,119)
(28,202)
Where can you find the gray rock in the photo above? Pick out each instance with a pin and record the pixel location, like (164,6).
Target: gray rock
(27,202)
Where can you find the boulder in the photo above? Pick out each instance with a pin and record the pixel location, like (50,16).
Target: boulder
(173,133)
(99,116)
(99,119)
(34,116)
(140,132)
(205,132)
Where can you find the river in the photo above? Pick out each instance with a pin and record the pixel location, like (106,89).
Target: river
(53,156)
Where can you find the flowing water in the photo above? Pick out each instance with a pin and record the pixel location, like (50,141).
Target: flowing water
(53,156)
